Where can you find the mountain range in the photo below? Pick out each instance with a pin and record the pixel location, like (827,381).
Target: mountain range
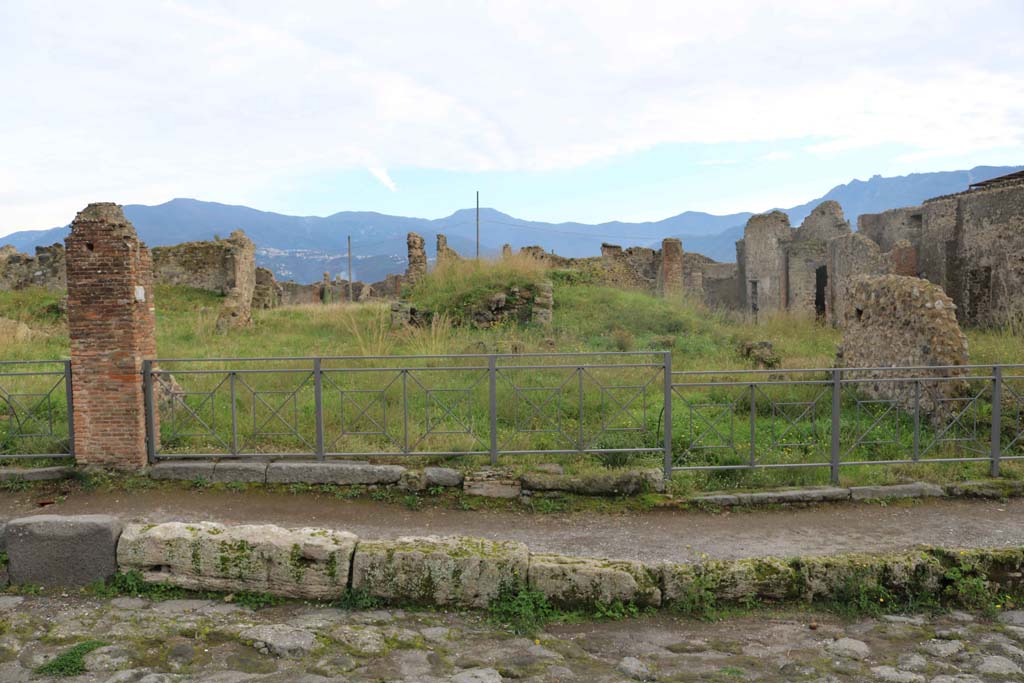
(302,248)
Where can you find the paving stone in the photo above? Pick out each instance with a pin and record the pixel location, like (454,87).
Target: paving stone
(56,550)
(888,674)
(343,473)
(478,675)
(108,658)
(9,602)
(996,665)
(227,471)
(915,490)
(442,476)
(578,581)
(36,473)
(1014,617)
(635,669)
(280,640)
(187,470)
(942,648)
(130,603)
(913,662)
(850,648)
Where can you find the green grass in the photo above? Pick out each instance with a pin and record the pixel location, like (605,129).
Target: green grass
(71,662)
(588,317)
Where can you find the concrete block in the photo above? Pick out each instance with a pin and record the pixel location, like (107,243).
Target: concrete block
(462,571)
(332,473)
(227,471)
(916,490)
(299,563)
(35,473)
(56,550)
(183,470)
(581,581)
(442,476)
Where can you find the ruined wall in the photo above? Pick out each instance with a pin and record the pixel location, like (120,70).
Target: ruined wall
(764,261)
(721,285)
(236,311)
(970,243)
(111,323)
(804,277)
(267,292)
(445,254)
(849,257)
(417,268)
(670,269)
(825,222)
(892,321)
(45,269)
(216,266)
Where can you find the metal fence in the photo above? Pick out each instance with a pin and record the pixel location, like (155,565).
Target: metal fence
(476,404)
(35,410)
(834,418)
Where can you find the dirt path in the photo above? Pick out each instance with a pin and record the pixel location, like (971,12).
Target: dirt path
(651,536)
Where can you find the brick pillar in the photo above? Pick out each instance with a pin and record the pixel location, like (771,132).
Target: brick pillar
(112,327)
(671,267)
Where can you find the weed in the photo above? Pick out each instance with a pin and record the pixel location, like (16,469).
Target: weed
(412,501)
(71,662)
(521,609)
(357,599)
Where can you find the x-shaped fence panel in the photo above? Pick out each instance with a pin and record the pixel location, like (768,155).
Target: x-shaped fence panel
(35,416)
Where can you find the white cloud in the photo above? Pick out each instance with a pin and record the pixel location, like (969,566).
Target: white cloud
(776,156)
(143,101)
(381,174)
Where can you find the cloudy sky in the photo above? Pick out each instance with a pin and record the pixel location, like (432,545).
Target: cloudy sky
(588,110)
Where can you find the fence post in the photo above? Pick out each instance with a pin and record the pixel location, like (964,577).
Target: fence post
(233,385)
(997,419)
(836,408)
(149,407)
(667,414)
(69,398)
(753,425)
(318,401)
(492,373)
(405,410)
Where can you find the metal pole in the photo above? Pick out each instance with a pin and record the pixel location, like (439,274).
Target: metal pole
(492,371)
(836,407)
(667,413)
(478,225)
(997,419)
(147,400)
(405,411)
(753,425)
(579,375)
(318,401)
(234,412)
(69,398)
(917,419)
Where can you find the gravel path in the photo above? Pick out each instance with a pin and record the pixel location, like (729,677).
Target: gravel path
(652,536)
(198,640)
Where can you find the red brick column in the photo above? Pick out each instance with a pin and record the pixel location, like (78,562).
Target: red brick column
(671,267)
(112,327)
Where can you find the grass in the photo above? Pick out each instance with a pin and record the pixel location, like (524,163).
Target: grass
(71,662)
(542,411)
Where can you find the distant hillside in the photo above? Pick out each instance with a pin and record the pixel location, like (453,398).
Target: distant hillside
(303,248)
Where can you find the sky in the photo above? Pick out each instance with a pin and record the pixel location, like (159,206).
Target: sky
(586,110)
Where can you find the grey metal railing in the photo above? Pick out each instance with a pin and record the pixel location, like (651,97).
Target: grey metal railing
(36,418)
(843,417)
(472,404)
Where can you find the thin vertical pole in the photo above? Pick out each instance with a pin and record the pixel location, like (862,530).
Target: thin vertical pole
(350,278)
(405,410)
(667,413)
(234,413)
(579,386)
(492,371)
(917,419)
(318,402)
(69,398)
(753,425)
(836,407)
(148,403)
(997,419)
(478,225)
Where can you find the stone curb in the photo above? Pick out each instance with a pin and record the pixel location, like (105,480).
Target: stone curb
(458,571)
(818,495)
(36,473)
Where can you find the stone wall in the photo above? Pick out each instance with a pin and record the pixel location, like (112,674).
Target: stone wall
(854,255)
(894,321)
(445,253)
(764,262)
(111,322)
(267,293)
(670,270)
(216,266)
(417,254)
(236,311)
(45,269)
(971,244)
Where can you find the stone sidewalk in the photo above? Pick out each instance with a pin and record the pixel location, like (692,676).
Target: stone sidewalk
(216,642)
(655,536)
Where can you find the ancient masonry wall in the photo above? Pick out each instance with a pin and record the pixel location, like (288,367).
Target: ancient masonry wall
(971,244)
(111,321)
(763,261)
(854,255)
(893,321)
(45,269)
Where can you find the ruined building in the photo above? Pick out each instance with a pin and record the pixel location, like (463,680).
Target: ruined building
(971,244)
(45,269)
